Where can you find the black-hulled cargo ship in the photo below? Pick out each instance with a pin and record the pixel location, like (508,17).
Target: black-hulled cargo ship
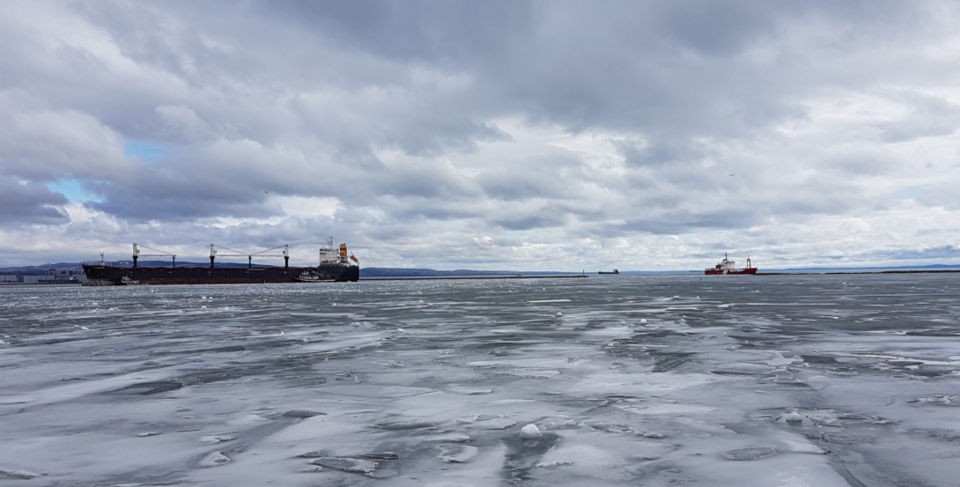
(334,266)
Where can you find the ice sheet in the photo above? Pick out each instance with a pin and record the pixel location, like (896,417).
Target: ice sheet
(626,380)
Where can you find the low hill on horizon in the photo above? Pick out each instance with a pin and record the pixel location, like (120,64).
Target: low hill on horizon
(414,272)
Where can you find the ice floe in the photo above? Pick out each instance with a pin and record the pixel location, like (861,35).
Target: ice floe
(470,391)
(213,439)
(12,474)
(214,459)
(750,454)
(453,453)
(351,465)
(302,413)
(530,431)
(404,425)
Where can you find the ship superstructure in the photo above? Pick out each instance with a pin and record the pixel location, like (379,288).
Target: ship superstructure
(334,266)
(727,266)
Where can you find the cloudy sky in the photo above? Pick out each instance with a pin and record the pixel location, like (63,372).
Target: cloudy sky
(641,135)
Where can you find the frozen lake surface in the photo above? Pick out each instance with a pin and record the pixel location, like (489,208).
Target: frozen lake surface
(617,380)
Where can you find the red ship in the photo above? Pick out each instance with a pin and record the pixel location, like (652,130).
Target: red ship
(727,266)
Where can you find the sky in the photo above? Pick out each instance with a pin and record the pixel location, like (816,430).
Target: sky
(519,135)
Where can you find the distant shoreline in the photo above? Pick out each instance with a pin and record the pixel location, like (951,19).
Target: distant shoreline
(808,273)
(43,283)
(429,278)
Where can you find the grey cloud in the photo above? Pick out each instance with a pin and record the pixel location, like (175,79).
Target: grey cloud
(30,203)
(320,55)
(182,123)
(859,164)
(437,137)
(431,30)
(928,116)
(942,252)
(661,150)
(41,143)
(715,28)
(644,80)
(430,181)
(943,195)
(533,215)
(178,194)
(523,182)
(497,242)
(672,222)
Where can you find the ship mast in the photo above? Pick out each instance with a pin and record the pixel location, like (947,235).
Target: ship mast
(262,253)
(161,253)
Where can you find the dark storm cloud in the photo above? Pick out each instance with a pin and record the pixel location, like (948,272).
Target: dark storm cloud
(460,32)
(30,203)
(660,151)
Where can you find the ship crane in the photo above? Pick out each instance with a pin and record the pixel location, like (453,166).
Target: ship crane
(263,253)
(137,254)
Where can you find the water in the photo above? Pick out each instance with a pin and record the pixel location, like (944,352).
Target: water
(628,380)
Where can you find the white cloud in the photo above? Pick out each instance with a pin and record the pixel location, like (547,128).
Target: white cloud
(309,206)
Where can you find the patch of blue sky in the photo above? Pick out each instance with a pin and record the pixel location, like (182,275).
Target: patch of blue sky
(73,190)
(145,151)
(910,192)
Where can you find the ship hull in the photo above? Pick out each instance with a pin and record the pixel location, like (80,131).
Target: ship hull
(100,275)
(727,272)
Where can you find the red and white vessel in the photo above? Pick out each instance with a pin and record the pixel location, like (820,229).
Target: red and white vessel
(727,266)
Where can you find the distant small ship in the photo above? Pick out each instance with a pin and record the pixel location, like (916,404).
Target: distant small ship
(614,272)
(727,266)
